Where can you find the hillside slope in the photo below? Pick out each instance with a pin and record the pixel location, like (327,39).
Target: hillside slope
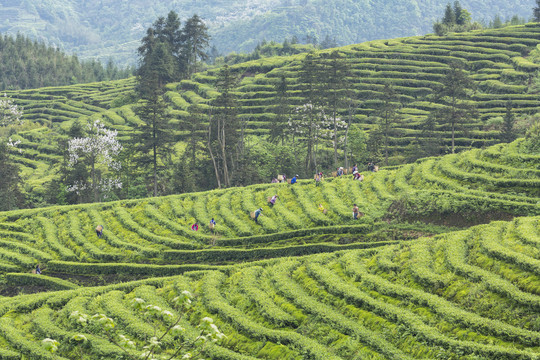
(110,28)
(497,60)
(472,187)
(471,294)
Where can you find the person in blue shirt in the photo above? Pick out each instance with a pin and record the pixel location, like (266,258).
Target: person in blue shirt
(212,225)
(293,180)
(257,213)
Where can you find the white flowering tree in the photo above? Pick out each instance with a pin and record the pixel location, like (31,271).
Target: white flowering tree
(10,113)
(99,148)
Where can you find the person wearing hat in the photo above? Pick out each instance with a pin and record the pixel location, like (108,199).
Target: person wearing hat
(99,230)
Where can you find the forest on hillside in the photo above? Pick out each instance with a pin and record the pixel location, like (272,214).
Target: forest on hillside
(110,28)
(26,64)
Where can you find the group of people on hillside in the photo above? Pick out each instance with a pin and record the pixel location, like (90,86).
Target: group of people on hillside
(340,171)
(283,179)
(211,225)
(272,201)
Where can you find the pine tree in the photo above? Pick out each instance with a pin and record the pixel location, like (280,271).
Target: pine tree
(388,116)
(497,22)
(153,138)
(454,95)
(158,66)
(156,70)
(507,131)
(281,109)
(335,91)
(458,13)
(449,18)
(310,80)
(195,40)
(536,12)
(429,140)
(193,125)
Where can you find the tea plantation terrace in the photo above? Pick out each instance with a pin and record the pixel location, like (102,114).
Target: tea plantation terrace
(153,236)
(466,294)
(497,60)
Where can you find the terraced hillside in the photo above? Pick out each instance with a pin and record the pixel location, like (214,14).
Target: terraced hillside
(495,59)
(498,60)
(472,294)
(153,236)
(49,110)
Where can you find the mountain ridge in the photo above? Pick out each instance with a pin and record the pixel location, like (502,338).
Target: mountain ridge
(235,26)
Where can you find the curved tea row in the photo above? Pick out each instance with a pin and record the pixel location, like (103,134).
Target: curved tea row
(495,59)
(477,186)
(467,294)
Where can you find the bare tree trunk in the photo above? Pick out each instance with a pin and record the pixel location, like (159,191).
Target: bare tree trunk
(155,171)
(212,154)
(453,122)
(94,186)
(345,140)
(223,144)
(309,155)
(335,139)
(294,148)
(453,137)
(386,130)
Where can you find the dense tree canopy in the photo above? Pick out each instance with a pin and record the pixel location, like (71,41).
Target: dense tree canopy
(26,64)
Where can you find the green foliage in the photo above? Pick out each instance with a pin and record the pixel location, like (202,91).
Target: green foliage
(52,283)
(366,291)
(532,139)
(11,196)
(27,64)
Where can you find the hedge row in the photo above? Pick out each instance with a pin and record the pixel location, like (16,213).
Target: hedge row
(51,283)
(78,268)
(238,255)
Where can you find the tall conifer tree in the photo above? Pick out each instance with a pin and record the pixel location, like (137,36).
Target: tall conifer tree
(536,11)
(454,94)
(195,40)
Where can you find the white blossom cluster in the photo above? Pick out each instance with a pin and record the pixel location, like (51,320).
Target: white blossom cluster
(104,186)
(10,113)
(322,125)
(309,115)
(13,144)
(101,146)
(77,187)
